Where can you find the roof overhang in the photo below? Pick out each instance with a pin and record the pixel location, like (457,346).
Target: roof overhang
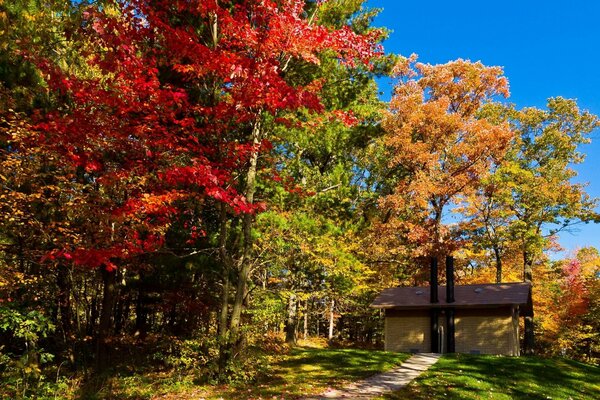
(466,296)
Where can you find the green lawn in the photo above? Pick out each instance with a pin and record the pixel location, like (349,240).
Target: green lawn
(488,377)
(308,370)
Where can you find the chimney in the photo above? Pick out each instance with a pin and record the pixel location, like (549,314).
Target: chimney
(433,280)
(449,279)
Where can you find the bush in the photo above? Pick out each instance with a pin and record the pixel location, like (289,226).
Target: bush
(20,365)
(187,354)
(272,343)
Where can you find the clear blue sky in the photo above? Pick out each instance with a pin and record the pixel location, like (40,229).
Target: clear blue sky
(547,48)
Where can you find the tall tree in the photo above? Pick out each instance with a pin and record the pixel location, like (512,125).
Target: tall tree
(321,160)
(534,193)
(441,145)
(171,127)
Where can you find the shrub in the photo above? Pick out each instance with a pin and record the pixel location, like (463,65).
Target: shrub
(20,365)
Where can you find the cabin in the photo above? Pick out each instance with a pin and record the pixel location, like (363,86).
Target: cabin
(475,319)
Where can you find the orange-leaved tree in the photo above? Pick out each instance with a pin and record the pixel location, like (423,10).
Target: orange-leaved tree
(442,146)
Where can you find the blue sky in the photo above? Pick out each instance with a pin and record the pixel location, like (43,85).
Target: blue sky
(547,48)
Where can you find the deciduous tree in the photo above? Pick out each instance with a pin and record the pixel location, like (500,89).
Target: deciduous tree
(171,126)
(442,146)
(534,194)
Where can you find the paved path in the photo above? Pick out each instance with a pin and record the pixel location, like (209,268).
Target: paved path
(379,384)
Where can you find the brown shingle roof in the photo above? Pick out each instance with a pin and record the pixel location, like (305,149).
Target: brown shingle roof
(466,296)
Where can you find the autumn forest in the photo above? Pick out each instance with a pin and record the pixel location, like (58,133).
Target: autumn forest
(194,185)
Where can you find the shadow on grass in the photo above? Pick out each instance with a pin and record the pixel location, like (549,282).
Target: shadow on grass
(132,374)
(304,371)
(474,377)
(308,370)
(143,384)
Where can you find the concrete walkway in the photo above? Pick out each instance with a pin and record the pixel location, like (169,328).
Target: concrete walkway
(380,384)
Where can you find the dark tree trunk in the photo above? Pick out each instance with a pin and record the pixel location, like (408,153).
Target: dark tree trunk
(223,316)
(173,319)
(122,313)
(290,324)
(305,319)
(141,311)
(118,315)
(93,315)
(63,283)
(331,319)
(232,341)
(224,312)
(498,264)
(106,318)
(244,262)
(529,338)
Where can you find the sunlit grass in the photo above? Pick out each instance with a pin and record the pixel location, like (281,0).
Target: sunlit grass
(309,370)
(499,378)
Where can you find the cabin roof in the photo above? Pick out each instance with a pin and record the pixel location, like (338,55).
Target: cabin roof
(466,296)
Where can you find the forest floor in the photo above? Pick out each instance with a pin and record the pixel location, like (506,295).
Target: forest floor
(467,377)
(306,371)
(302,371)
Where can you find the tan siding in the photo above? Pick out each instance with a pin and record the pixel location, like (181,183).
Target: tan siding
(486,330)
(406,331)
(489,331)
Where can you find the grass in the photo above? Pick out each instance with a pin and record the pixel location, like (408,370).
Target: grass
(466,377)
(309,370)
(303,371)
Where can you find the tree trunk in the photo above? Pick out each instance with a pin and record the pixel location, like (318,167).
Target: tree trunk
(224,312)
(290,324)
(225,261)
(224,339)
(498,264)
(65,286)
(248,219)
(231,342)
(529,339)
(104,329)
(331,319)
(141,311)
(93,315)
(305,319)
(120,304)
(64,300)
(437,237)
(527,266)
(123,314)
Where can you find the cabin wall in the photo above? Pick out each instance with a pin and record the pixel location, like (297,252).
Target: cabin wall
(479,331)
(486,331)
(408,331)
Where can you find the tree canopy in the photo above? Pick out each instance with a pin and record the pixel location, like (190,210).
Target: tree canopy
(190,181)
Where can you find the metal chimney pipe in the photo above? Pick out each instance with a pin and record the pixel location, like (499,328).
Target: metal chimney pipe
(433,280)
(449,279)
